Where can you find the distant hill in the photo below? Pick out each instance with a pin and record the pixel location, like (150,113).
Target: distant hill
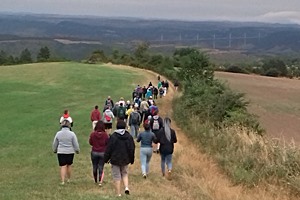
(107,32)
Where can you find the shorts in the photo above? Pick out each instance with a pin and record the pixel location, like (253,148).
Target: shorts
(65,159)
(118,172)
(108,125)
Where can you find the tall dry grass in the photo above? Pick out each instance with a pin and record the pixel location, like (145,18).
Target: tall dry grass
(249,159)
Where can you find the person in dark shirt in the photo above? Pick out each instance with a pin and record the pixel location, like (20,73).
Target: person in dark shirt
(120,153)
(166,137)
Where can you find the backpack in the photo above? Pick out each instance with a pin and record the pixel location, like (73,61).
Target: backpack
(155,125)
(121,113)
(134,118)
(107,117)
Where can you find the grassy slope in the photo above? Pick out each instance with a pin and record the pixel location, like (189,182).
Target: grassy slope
(32,99)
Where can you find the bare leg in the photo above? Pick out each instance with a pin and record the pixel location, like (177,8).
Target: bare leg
(69,170)
(63,172)
(118,187)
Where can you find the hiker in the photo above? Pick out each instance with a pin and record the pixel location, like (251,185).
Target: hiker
(144,108)
(134,121)
(137,100)
(155,92)
(148,119)
(158,77)
(149,93)
(98,140)
(159,85)
(167,85)
(121,112)
(108,102)
(156,123)
(161,92)
(153,108)
(134,94)
(66,116)
(150,101)
(176,84)
(65,144)
(150,84)
(108,119)
(146,138)
(115,109)
(144,91)
(128,112)
(120,153)
(122,101)
(95,116)
(166,137)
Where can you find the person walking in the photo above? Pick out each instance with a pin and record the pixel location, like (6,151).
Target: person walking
(108,102)
(120,153)
(98,140)
(144,109)
(156,123)
(134,121)
(146,138)
(108,119)
(166,137)
(95,116)
(121,112)
(65,145)
(66,116)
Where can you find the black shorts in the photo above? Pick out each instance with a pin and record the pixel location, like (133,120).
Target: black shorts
(108,125)
(65,159)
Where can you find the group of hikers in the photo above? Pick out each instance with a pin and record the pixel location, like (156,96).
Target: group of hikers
(118,147)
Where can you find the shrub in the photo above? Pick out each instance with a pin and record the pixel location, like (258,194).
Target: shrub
(236,69)
(272,72)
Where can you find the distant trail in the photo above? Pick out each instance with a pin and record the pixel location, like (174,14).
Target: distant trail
(196,175)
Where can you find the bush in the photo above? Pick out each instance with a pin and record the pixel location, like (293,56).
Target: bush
(236,69)
(272,72)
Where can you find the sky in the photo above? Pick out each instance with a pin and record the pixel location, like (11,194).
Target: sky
(275,11)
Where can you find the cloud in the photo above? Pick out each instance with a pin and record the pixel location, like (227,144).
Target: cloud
(281,17)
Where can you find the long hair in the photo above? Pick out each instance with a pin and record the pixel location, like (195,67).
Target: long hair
(167,122)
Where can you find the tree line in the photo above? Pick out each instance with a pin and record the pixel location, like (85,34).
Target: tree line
(25,57)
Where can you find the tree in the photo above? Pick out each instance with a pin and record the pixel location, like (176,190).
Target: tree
(25,56)
(44,54)
(277,64)
(97,56)
(140,51)
(3,57)
(194,66)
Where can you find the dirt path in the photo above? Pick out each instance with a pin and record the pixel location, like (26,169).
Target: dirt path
(195,175)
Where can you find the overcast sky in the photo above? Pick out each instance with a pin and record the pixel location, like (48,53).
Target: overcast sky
(287,11)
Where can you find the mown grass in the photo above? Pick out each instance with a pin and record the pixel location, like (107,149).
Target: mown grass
(32,99)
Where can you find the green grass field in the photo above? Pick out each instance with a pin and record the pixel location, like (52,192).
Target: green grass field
(32,99)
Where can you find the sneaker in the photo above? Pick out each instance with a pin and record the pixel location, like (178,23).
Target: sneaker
(144,176)
(169,177)
(119,195)
(68,181)
(127,191)
(62,183)
(100,184)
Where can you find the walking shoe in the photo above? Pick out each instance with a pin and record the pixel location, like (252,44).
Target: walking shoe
(62,183)
(169,176)
(144,176)
(127,191)
(100,184)
(68,181)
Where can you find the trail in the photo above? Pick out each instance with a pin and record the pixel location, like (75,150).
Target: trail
(195,174)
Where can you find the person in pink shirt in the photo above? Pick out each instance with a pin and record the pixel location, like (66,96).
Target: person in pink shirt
(98,140)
